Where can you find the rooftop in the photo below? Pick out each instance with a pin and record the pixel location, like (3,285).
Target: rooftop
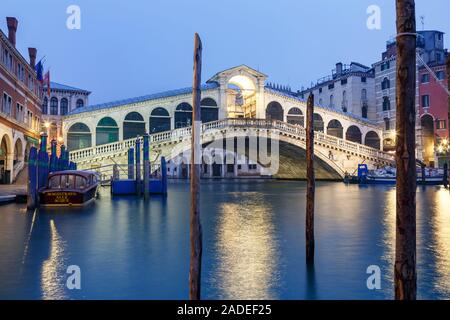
(154,96)
(63,87)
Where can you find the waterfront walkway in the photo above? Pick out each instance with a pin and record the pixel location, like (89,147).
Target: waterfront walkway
(18,188)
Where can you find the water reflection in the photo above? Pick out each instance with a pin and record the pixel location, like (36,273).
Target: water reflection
(389,224)
(441,227)
(247,249)
(53,268)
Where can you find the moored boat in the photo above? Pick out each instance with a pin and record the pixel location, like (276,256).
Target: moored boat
(387,175)
(69,188)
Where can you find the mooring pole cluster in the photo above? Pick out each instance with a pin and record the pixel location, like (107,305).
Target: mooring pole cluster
(40,164)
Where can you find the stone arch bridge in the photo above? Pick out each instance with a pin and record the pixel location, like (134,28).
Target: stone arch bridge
(334,156)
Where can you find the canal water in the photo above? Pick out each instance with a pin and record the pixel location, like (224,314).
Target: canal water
(253,244)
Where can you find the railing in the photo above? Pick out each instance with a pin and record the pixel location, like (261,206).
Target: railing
(181,133)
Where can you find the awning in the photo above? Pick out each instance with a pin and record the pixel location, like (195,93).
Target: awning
(32,140)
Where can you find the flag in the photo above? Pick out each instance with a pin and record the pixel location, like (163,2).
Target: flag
(47,81)
(39,71)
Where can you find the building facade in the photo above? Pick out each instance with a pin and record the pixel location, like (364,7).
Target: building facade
(20,112)
(431,96)
(62,100)
(349,88)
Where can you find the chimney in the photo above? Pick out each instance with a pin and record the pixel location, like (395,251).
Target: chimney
(339,68)
(12,28)
(32,52)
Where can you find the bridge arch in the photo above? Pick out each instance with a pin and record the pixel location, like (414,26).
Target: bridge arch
(107,131)
(372,139)
(319,124)
(183,115)
(79,136)
(295,116)
(335,128)
(159,120)
(353,134)
(274,111)
(133,125)
(209,110)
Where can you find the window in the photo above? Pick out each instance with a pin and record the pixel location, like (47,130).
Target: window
(425,78)
(364,112)
(386,84)
(385,66)
(331,101)
(252,167)
(343,81)
(64,106)
(80,103)
(386,104)
(331,86)
(363,79)
(55,182)
(6,104)
(441,124)
(440,75)
(80,182)
(44,106)
(425,101)
(54,106)
(67,181)
(387,124)
(320,90)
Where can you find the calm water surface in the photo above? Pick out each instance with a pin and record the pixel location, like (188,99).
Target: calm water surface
(253,244)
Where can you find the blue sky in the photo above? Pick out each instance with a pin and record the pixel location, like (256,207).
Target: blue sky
(131,48)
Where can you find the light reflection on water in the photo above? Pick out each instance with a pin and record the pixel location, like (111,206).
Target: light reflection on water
(247,249)
(253,244)
(52,274)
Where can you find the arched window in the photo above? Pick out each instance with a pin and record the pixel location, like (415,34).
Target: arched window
(364,111)
(54,106)
(107,131)
(331,101)
(274,111)
(353,134)
(295,116)
(159,120)
(386,84)
(372,140)
(183,115)
(386,104)
(133,125)
(79,137)
(64,107)
(80,103)
(387,124)
(318,122)
(209,110)
(335,129)
(45,106)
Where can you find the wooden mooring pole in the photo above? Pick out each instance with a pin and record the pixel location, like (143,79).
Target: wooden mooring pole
(405,278)
(195,225)
(310,188)
(146,171)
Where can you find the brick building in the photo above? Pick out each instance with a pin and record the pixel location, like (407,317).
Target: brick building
(20,108)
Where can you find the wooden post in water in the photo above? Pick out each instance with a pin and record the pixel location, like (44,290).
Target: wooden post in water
(146,156)
(32,179)
(310,188)
(42,162)
(138,166)
(195,225)
(405,278)
(53,157)
(163,176)
(445,182)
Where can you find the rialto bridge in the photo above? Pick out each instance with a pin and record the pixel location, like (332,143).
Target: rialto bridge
(234,102)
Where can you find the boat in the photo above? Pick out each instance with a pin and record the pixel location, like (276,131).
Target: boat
(69,188)
(7,199)
(387,175)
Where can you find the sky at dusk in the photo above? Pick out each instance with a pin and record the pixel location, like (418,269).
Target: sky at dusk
(130,48)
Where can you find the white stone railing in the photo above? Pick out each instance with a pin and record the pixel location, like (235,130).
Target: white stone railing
(181,133)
